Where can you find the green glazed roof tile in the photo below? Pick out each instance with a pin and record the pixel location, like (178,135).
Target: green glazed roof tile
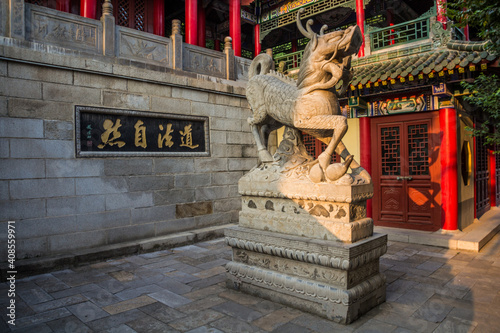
(385,66)
(464,62)
(477,59)
(467,45)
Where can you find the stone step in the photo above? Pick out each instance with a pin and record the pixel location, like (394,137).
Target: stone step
(33,266)
(472,238)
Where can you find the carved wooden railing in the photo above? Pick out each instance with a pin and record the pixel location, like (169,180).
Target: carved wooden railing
(77,35)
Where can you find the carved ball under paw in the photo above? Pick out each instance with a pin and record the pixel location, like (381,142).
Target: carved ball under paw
(316,175)
(337,170)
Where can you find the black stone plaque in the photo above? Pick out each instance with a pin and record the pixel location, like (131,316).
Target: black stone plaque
(113,132)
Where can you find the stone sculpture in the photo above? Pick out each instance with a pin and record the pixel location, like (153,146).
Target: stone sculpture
(303,237)
(309,104)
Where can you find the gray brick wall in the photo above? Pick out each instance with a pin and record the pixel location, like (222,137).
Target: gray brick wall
(62,203)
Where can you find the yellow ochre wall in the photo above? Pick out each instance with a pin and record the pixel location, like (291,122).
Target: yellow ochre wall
(351,139)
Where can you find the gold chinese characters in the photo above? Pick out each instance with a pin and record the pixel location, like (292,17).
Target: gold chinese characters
(165,135)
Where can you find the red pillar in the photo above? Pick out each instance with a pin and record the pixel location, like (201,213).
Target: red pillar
(256,40)
(449,175)
(63,5)
(475,173)
(217,45)
(191,22)
(294,49)
(366,154)
(159,17)
(493,179)
(88,8)
(360,21)
(441,12)
(235,25)
(466,32)
(202,33)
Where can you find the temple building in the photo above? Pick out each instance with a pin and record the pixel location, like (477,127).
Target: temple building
(125,122)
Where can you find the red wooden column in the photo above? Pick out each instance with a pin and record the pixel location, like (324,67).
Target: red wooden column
(475,175)
(235,25)
(159,17)
(493,178)
(202,33)
(365,152)
(294,49)
(360,21)
(449,175)
(441,12)
(191,22)
(217,45)
(63,5)
(256,40)
(88,8)
(466,33)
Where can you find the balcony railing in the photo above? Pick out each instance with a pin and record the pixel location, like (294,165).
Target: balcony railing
(291,60)
(66,33)
(398,34)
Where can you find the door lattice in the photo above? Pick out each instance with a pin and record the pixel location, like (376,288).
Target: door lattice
(315,147)
(310,144)
(482,177)
(123,13)
(391,151)
(38,2)
(140,15)
(418,149)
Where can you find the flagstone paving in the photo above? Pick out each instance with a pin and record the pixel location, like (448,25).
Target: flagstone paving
(429,289)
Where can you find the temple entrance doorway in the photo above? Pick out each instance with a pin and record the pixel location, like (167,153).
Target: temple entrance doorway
(406,171)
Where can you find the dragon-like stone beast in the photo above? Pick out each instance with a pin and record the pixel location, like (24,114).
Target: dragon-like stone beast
(309,104)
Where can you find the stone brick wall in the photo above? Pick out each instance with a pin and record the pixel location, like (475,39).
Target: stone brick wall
(61,203)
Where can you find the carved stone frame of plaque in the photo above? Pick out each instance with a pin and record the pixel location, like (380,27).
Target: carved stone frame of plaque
(105,132)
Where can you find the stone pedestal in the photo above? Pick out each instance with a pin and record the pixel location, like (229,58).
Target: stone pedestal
(304,244)
(336,281)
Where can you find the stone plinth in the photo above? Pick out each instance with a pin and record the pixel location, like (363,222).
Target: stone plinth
(334,280)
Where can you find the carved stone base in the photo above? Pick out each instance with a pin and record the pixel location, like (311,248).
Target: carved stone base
(317,219)
(281,198)
(334,280)
(335,311)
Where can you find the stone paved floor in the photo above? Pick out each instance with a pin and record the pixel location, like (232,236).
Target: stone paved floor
(429,289)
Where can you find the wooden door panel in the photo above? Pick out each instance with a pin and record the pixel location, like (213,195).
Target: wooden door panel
(392,202)
(420,204)
(406,171)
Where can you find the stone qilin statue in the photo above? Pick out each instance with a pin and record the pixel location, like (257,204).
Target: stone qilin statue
(303,238)
(309,104)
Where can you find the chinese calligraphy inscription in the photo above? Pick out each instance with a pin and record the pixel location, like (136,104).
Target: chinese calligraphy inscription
(111,132)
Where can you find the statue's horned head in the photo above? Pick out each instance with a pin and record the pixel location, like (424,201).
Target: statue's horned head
(343,43)
(327,57)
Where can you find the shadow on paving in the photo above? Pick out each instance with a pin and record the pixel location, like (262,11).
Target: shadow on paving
(429,289)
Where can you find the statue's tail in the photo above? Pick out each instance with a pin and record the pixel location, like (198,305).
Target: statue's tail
(261,64)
